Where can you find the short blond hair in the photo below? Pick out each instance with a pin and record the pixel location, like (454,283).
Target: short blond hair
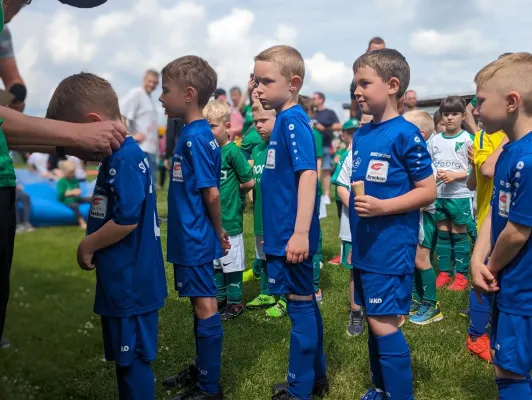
(512,72)
(257,108)
(289,61)
(217,110)
(67,166)
(421,119)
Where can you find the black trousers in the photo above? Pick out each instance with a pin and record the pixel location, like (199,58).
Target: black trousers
(7,242)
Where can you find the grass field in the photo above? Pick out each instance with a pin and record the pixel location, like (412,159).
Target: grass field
(57,352)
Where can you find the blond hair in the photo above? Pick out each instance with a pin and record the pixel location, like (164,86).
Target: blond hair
(422,120)
(217,110)
(67,166)
(257,108)
(289,61)
(512,72)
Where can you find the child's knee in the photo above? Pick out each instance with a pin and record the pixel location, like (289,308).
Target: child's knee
(382,325)
(204,307)
(459,228)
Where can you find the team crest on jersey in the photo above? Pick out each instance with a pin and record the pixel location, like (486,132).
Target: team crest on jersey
(98,206)
(177,172)
(270,159)
(505,198)
(458,145)
(377,171)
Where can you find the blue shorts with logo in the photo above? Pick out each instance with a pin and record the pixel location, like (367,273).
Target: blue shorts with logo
(195,281)
(511,338)
(125,339)
(382,294)
(286,278)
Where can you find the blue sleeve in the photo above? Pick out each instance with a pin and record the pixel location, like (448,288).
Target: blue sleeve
(300,144)
(128,186)
(417,158)
(521,188)
(203,159)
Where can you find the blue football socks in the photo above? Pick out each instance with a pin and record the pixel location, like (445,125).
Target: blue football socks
(374,364)
(303,347)
(136,381)
(513,389)
(209,353)
(319,362)
(479,314)
(394,357)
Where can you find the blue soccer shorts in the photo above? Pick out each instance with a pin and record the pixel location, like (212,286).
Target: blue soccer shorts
(382,294)
(125,339)
(511,338)
(286,278)
(195,281)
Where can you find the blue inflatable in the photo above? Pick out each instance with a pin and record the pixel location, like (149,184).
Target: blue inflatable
(46,210)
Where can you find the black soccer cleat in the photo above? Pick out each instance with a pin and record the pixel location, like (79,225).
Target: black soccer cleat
(185,379)
(232,311)
(320,389)
(196,393)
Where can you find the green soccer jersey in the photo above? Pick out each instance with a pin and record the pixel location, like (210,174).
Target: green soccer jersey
(337,172)
(65,184)
(7,172)
(248,118)
(259,159)
(235,170)
(250,139)
(318,140)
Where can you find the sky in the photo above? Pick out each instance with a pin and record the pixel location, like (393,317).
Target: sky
(445,43)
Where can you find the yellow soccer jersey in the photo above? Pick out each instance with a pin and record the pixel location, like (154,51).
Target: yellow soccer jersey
(483,147)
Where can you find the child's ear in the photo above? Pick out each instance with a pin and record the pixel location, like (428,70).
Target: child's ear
(190,94)
(513,100)
(93,117)
(228,125)
(393,86)
(296,83)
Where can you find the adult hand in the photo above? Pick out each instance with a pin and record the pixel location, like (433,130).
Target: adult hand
(97,140)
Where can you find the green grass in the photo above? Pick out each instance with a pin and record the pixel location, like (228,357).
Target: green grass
(57,351)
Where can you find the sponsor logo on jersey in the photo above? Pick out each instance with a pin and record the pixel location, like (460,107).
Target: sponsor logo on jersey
(377,171)
(505,198)
(270,159)
(177,172)
(98,206)
(381,155)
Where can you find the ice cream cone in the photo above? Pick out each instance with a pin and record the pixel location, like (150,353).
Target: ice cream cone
(358,188)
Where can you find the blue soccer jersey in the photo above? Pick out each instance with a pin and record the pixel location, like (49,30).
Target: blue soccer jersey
(511,201)
(196,165)
(130,274)
(389,157)
(291,150)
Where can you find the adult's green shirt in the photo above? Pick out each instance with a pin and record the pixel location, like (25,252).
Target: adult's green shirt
(235,170)
(250,139)
(63,185)
(318,140)
(259,159)
(248,118)
(7,172)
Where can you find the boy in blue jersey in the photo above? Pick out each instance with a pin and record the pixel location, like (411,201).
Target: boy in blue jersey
(290,214)
(123,240)
(504,91)
(393,168)
(195,234)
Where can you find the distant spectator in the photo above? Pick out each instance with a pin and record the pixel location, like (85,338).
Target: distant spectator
(410,102)
(326,121)
(81,174)
(23,216)
(141,114)
(69,192)
(376,43)
(237,121)
(220,94)
(38,162)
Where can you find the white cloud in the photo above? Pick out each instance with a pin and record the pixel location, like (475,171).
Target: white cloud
(109,23)
(434,43)
(328,74)
(401,10)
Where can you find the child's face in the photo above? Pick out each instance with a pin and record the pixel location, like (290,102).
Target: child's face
(491,108)
(173,98)
(264,123)
(219,130)
(372,93)
(452,120)
(273,89)
(70,174)
(440,127)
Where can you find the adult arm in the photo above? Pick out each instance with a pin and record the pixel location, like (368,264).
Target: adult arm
(86,141)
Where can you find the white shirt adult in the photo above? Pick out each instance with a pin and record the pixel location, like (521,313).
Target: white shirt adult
(138,107)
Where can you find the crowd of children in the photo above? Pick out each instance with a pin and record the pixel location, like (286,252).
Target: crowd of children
(404,193)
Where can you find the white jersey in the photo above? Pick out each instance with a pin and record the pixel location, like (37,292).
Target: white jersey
(344,179)
(39,161)
(449,153)
(138,108)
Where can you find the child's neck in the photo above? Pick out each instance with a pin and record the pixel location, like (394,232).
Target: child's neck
(390,112)
(222,143)
(520,128)
(452,132)
(290,102)
(193,114)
